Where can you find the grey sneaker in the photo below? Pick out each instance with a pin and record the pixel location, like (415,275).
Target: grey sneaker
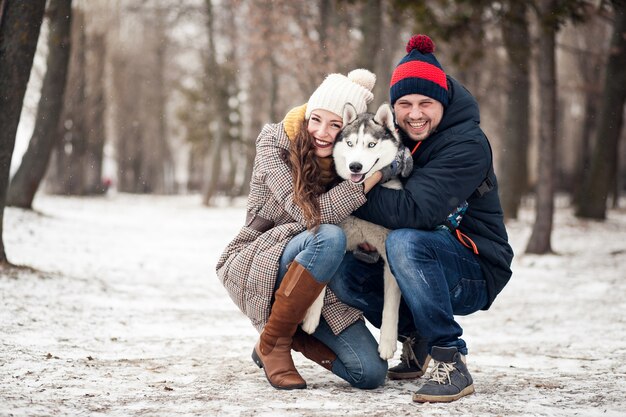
(450,379)
(413,360)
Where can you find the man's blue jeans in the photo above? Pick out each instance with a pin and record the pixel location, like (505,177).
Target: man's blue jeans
(438,278)
(321,253)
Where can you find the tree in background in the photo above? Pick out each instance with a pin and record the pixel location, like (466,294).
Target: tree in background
(513,167)
(126,94)
(551,15)
(371,29)
(590,49)
(219,95)
(95,117)
(66,176)
(381,24)
(140,55)
(26,180)
(272,54)
(540,241)
(604,163)
(20,23)
(211,110)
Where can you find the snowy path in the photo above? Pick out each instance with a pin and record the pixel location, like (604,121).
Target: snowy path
(127,318)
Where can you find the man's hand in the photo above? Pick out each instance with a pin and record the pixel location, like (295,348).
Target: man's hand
(402,165)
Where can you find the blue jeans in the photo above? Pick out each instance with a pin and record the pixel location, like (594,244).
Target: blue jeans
(357,350)
(438,278)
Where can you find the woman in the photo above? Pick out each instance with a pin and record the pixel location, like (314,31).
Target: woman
(290,246)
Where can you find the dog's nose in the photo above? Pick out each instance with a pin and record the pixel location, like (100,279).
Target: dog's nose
(356,167)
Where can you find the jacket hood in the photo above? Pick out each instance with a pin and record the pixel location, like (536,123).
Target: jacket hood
(462,106)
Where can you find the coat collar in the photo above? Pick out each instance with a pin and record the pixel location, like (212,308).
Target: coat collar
(282,140)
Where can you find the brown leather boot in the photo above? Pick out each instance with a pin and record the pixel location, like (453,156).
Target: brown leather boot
(272,352)
(313,349)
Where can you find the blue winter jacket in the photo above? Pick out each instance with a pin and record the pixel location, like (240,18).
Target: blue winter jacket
(449,166)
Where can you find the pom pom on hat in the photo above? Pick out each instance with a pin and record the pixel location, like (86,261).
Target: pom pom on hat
(419,72)
(422,43)
(337,90)
(363,78)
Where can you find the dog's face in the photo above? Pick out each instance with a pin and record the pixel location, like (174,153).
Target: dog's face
(367,143)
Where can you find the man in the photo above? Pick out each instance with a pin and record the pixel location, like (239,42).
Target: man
(443,267)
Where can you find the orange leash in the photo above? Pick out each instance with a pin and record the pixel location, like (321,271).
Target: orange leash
(463,238)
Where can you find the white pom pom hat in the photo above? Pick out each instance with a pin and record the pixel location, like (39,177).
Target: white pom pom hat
(337,90)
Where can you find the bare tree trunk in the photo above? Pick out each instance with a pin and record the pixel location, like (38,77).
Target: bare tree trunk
(65,174)
(157,170)
(604,162)
(274,76)
(371,27)
(214,73)
(214,168)
(20,22)
(96,131)
(233,116)
(540,237)
(198,154)
(327,13)
(589,59)
(224,103)
(165,161)
(583,161)
(616,185)
(391,35)
(513,172)
(128,128)
(35,161)
(258,89)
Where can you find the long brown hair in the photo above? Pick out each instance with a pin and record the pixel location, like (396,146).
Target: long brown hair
(310,179)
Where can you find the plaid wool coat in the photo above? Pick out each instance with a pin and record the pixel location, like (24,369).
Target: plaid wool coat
(248,267)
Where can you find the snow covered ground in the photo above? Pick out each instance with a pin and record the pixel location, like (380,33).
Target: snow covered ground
(122,315)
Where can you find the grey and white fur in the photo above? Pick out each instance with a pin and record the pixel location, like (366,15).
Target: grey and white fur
(367,143)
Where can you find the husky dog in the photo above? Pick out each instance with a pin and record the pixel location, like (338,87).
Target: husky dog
(367,143)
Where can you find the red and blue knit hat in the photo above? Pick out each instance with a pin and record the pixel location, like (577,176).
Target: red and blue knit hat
(419,72)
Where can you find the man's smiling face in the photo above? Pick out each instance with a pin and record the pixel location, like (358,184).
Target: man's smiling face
(418,115)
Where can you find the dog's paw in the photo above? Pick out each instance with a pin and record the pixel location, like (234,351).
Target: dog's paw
(311,320)
(386,349)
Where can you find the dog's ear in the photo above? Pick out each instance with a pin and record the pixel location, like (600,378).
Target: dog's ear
(384,116)
(349,114)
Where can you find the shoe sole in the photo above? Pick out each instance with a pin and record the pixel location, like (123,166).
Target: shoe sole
(409,375)
(404,375)
(257,360)
(424,398)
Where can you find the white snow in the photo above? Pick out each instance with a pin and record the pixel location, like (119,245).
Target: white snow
(124,316)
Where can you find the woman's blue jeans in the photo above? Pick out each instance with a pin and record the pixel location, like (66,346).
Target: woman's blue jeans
(321,253)
(438,278)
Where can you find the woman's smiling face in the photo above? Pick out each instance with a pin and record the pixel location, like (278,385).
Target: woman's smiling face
(324,126)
